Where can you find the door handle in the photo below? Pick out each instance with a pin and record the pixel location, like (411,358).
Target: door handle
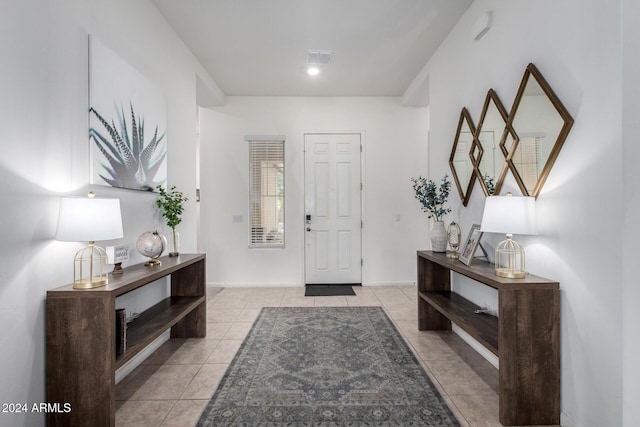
(309,229)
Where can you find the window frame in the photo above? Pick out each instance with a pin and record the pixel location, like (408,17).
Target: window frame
(266,145)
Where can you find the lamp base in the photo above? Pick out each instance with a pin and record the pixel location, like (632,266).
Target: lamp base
(90,267)
(90,283)
(510,259)
(510,273)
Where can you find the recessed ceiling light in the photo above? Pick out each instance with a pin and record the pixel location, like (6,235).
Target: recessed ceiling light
(313,71)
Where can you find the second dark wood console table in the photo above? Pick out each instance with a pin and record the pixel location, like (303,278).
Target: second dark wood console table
(525,336)
(81,335)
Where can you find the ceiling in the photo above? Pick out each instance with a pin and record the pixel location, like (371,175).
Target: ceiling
(258,47)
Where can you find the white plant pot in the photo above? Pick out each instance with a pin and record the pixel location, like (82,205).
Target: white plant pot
(438,237)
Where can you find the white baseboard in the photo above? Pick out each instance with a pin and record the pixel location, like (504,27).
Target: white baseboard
(254,285)
(484,352)
(389,284)
(293,285)
(128,367)
(566,420)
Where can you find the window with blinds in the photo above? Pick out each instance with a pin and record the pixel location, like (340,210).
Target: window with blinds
(266,194)
(526,159)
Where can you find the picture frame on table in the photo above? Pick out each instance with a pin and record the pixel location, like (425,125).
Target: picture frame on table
(470,245)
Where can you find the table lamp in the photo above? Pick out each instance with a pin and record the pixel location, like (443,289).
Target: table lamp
(89,219)
(511,215)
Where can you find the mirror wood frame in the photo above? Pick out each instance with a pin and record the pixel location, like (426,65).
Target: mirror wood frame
(533,72)
(476,151)
(492,97)
(465,194)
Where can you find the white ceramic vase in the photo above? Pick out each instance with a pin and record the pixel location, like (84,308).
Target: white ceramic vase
(438,237)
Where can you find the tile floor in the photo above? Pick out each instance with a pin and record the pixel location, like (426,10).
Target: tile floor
(172,387)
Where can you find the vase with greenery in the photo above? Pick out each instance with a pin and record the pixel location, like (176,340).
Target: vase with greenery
(171,204)
(432,200)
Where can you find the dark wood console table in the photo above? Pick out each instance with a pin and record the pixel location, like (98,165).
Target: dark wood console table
(525,336)
(81,356)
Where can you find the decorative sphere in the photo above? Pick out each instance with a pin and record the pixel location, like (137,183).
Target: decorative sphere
(151,244)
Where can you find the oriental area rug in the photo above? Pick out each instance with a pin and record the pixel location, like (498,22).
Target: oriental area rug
(329,367)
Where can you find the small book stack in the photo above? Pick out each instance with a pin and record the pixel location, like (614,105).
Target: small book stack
(121,331)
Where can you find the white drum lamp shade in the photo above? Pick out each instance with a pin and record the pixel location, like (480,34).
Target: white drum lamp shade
(89,220)
(510,215)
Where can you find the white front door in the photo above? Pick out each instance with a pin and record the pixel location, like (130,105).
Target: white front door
(333,224)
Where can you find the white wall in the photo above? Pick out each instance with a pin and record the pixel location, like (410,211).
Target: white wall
(576,46)
(631,226)
(395,141)
(44,110)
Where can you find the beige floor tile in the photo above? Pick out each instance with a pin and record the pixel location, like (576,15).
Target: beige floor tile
(185,413)
(401,312)
(397,301)
(217,315)
(226,303)
(294,292)
(183,352)
(212,291)
(248,315)
(333,301)
(267,301)
(431,347)
(142,413)
(151,382)
(260,293)
(297,301)
(205,382)
(363,301)
(225,351)
(236,291)
(164,352)
(238,331)
(363,291)
(479,410)
(454,409)
(457,378)
(216,330)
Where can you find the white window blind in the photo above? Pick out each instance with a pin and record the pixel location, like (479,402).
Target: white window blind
(266,193)
(526,159)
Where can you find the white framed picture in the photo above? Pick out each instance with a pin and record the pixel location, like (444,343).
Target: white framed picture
(470,245)
(127,124)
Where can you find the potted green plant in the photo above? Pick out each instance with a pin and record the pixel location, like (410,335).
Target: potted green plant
(171,204)
(432,200)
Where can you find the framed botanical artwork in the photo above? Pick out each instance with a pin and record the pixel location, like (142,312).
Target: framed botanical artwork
(470,245)
(127,124)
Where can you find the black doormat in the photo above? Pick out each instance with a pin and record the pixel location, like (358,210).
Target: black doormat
(328,290)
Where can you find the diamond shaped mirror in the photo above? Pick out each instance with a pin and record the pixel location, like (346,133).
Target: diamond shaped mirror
(542,124)
(460,161)
(492,130)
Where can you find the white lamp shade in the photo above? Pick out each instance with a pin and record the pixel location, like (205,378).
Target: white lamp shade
(509,215)
(85,219)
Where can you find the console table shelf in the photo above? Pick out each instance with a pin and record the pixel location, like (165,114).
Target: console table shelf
(461,311)
(81,335)
(153,322)
(525,336)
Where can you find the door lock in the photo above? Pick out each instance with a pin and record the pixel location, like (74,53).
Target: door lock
(307,219)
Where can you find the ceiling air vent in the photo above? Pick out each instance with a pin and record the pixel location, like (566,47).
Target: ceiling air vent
(319,56)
